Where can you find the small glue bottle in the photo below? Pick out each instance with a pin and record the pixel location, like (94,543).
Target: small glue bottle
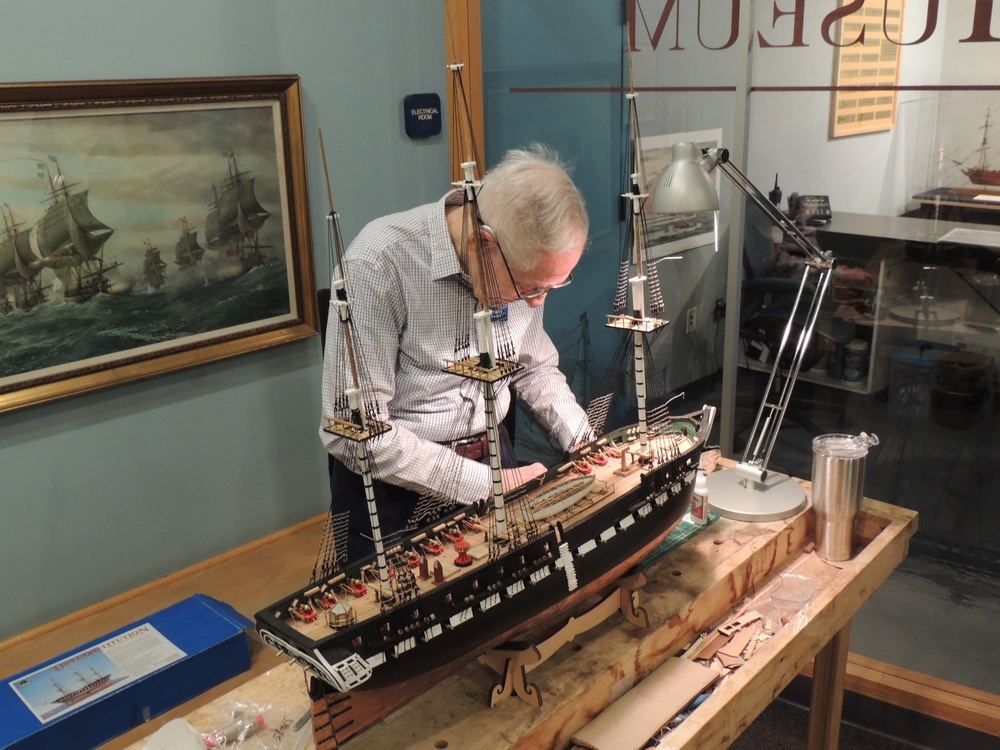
(699,499)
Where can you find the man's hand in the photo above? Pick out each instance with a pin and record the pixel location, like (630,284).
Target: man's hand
(516,477)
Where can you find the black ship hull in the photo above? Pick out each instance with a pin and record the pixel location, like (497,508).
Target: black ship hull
(517,591)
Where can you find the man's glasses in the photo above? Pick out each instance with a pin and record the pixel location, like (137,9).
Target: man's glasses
(537,291)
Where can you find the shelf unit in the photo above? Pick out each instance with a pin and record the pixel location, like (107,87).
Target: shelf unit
(843,303)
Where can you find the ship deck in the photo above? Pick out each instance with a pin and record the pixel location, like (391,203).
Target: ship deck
(612,469)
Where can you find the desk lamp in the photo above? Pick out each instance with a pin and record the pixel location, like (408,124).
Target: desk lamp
(748,492)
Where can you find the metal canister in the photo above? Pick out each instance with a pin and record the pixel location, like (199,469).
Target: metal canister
(838,484)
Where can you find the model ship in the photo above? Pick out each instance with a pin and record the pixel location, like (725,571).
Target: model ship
(374,633)
(981,174)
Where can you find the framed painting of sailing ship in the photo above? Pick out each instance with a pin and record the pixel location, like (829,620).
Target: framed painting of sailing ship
(148,225)
(669,234)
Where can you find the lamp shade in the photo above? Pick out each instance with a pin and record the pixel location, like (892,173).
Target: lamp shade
(684,187)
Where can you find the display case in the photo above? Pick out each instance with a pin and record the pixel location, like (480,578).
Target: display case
(934,327)
(918,318)
(845,341)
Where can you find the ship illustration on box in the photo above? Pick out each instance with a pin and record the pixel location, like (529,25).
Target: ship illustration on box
(90,686)
(374,633)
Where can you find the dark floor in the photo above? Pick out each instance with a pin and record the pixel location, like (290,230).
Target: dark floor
(868,724)
(785,726)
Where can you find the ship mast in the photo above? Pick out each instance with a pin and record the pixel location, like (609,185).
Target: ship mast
(488,363)
(986,142)
(486,368)
(362,427)
(639,322)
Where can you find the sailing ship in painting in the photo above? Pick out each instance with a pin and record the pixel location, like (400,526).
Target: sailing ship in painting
(982,173)
(235,217)
(154,268)
(374,633)
(187,252)
(20,268)
(71,241)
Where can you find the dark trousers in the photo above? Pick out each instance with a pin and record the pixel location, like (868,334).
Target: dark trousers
(395,504)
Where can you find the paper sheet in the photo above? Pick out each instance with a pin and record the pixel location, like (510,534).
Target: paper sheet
(981,237)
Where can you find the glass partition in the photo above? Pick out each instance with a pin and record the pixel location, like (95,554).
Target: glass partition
(552,74)
(874,123)
(558,72)
(907,346)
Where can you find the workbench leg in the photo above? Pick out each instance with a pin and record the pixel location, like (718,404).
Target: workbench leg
(827,702)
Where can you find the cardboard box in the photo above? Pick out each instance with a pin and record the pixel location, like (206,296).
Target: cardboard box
(108,686)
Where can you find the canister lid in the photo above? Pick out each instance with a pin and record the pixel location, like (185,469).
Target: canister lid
(837,445)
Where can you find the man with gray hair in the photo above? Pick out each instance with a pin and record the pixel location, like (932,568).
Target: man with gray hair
(409,274)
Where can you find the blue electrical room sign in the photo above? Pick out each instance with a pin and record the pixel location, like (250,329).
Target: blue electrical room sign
(422,115)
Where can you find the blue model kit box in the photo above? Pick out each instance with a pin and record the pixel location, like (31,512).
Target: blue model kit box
(110,685)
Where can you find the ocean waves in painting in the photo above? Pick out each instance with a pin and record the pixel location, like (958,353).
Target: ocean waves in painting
(115,326)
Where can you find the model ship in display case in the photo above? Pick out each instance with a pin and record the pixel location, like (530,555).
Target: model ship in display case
(374,633)
(982,174)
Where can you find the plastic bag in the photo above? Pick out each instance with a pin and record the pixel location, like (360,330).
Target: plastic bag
(247,725)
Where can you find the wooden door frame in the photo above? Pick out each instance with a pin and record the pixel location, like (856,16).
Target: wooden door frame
(463,44)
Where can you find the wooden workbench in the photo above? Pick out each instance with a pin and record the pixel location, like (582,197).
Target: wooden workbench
(689,590)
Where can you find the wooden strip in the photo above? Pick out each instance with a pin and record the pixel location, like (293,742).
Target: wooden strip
(246,578)
(923,694)
(630,721)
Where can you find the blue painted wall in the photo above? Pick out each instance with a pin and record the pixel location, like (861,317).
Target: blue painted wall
(101,493)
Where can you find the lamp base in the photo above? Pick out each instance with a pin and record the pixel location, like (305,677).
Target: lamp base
(737,496)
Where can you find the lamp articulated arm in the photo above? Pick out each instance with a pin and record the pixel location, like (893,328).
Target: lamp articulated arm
(779,390)
(778,393)
(684,187)
(719,157)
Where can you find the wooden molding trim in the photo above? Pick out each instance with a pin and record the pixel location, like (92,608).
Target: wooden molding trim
(926,695)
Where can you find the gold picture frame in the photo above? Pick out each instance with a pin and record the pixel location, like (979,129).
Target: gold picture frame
(148,226)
